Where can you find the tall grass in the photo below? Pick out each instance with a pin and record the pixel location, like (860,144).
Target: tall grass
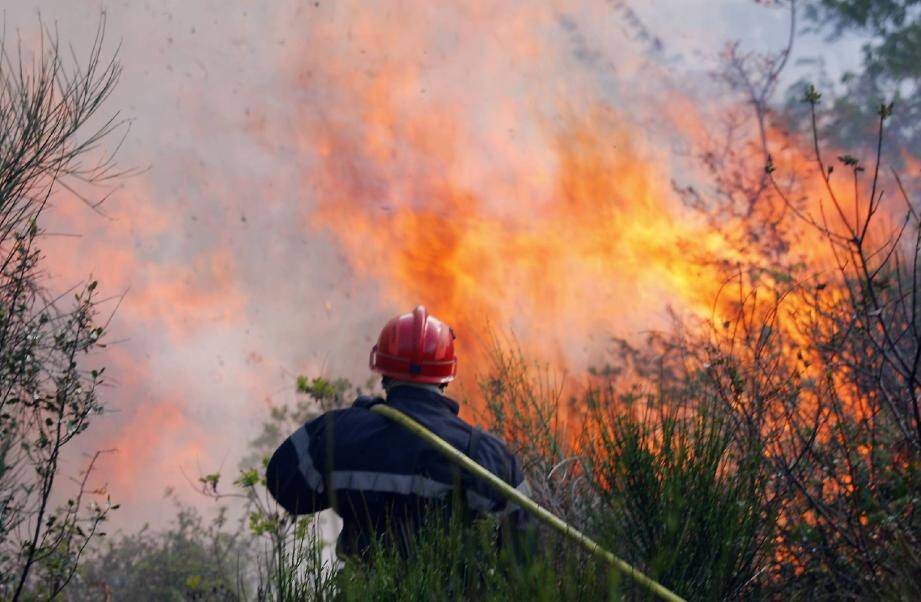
(661,475)
(447,562)
(676,494)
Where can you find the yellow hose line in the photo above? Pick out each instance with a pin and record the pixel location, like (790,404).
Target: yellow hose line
(512,494)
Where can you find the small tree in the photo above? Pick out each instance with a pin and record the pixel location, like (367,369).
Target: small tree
(48,396)
(860,326)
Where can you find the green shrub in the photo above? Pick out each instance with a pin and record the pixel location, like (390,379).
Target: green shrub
(678,496)
(191,560)
(443,563)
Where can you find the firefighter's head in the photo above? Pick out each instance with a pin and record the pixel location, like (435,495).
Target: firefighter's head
(415,347)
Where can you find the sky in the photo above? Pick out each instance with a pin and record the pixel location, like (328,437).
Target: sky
(288,154)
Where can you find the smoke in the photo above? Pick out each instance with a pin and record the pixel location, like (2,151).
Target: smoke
(313,169)
(505,163)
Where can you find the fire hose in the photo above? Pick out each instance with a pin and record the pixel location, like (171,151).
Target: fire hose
(513,495)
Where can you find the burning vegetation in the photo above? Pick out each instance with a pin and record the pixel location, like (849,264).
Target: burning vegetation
(760,438)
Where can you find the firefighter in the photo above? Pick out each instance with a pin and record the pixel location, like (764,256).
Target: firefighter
(381,479)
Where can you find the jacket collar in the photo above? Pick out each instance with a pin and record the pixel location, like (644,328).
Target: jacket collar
(391,383)
(414,395)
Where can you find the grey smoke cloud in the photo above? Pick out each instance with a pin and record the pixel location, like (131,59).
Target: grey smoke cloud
(230,290)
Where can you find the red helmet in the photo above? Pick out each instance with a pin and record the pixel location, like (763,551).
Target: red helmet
(416,347)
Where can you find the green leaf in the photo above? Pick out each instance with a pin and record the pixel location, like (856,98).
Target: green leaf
(248,478)
(885,110)
(812,96)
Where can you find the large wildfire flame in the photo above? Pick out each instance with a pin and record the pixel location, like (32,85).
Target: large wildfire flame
(547,211)
(522,207)
(598,252)
(508,165)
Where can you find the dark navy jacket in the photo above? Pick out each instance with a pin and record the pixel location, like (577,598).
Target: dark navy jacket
(378,476)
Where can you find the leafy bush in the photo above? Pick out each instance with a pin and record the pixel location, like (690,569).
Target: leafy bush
(678,493)
(191,559)
(665,479)
(48,393)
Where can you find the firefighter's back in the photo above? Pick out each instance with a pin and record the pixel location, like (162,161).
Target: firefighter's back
(382,479)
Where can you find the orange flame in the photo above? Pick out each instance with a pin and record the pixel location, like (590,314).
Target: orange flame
(472,158)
